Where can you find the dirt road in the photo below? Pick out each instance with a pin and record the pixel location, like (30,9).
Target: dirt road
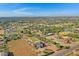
(65,51)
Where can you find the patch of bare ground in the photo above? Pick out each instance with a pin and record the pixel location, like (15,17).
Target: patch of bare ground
(21,48)
(52,47)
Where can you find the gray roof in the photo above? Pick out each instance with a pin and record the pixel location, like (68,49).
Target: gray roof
(1,42)
(39,44)
(3,53)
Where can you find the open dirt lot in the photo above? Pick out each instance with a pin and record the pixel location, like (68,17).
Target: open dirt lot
(21,48)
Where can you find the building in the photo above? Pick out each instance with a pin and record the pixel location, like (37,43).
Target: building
(3,53)
(1,42)
(39,45)
(50,34)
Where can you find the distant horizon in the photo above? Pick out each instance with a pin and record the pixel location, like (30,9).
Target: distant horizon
(38,9)
(39,16)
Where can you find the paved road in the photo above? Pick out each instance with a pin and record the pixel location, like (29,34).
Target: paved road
(65,51)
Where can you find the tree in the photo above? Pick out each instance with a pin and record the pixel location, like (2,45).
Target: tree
(16,36)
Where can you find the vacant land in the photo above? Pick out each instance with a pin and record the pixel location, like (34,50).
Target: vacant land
(21,48)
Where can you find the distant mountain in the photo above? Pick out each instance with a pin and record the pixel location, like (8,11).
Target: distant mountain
(3,19)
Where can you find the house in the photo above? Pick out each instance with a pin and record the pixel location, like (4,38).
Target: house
(39,45)
(52,37)
(1,42)
(3,53)
(6,54)
(50,34)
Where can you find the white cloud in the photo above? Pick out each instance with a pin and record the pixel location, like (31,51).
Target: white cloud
(26,9)
(29,12)
(20,10)
(11,13)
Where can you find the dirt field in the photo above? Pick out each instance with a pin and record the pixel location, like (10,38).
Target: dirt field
(21,48)
(1,30)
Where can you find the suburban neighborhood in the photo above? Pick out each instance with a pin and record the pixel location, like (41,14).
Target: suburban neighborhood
(36,36)
(39,29)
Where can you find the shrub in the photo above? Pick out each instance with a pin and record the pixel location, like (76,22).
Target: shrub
(47,52)
(66,47)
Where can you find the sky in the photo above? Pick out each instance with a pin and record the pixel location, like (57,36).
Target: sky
(39,9)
